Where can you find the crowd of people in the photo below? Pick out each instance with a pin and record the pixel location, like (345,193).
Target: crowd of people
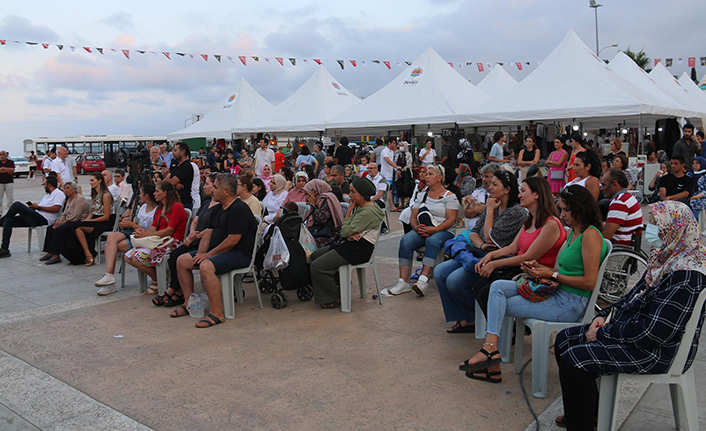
(549,228)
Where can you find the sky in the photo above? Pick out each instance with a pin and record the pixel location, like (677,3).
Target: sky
(48,92)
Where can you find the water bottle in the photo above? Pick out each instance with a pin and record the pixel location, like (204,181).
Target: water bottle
(190,302)
(197,308)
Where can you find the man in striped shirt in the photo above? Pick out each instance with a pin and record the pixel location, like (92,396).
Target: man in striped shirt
(624,213)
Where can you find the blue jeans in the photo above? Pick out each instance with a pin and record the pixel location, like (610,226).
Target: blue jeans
(455,286)
(412,241)
(505,300)
(19,215)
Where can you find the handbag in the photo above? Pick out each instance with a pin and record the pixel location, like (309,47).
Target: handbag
(424,216)
(556,175)
(153,241)
(535,290)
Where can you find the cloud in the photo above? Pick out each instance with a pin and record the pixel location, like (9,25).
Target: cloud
(47,99)
(15,27)
(120,20)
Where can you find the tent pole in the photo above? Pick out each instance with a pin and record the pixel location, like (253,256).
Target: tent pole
(639,137)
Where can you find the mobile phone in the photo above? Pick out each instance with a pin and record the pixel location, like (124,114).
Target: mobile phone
(29,203)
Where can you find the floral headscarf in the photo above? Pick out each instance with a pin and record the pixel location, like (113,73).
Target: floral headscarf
(326,197)
(681,242)
(463,171)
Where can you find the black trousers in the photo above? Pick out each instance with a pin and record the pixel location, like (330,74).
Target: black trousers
(172,263)
(579,392)
(481,290)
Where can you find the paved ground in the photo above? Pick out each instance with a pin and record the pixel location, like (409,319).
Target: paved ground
(72,360)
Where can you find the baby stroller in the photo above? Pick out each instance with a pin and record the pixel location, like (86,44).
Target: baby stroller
(296,275)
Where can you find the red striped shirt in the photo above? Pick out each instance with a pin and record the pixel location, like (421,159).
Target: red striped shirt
(625,211)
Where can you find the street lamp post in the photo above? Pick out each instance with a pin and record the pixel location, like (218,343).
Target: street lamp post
(615,45)
(595,5)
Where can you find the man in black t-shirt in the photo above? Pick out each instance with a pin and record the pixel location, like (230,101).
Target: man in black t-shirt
(344,154)
(676,186)
(227,244)
(181,174)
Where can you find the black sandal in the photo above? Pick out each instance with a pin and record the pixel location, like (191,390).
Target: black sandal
(458,329)
(175,313)
(471,375)
(213,322)
(171,302)
(329,305)
(160,300)
(480,365)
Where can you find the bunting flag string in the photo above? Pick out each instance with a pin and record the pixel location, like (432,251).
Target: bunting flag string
(481,66)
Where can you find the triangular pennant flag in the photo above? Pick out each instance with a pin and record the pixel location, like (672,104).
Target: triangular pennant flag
(451,64)
(217,57)
(256,58)
(88,49)
(469,63)
(60,47)
(317,61)
(45,45)
(519,65)
(460,65)
(305,61)
(113,50)
(154,52)
(3,41)
(408,63)
(100,50)
(692,61)
(364,63)
(398,63)
(353,63)
(680,60)
(230,58)
(242,59)
(668,62)
(140,51)
(166,54)
(375,61)
(190,55)
(500,64)
(31,43)
(126,52)
(657,61)
(341,63)
(281,60)
(527,63)
(182,54)
(204,56)
(73,48)
(267,59)
(480,67)
(387,63)
(293,61)
(489,66)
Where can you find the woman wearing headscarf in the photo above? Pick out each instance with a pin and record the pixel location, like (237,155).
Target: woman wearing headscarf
(359,233)
(698,199)
(326,219)
(641,332)
(275,197)
(297,193)
(266,176)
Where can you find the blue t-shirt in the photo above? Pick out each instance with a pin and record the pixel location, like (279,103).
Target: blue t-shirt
(308,159)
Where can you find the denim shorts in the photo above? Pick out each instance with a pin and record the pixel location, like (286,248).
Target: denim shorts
(228,261)
(127,232)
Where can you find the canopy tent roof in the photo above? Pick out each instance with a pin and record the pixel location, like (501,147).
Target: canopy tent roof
(691,87)
(427,92)
(674,89)
(307,110)
(243,104)
(497,82)
(572,83)
(628,69)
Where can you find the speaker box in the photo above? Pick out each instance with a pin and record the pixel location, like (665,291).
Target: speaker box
(667,133)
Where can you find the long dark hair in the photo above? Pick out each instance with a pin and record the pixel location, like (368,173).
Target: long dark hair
(148,189)
(590,158)
(171,198)
(545,202)
(263,191)
(582,205)
(103,188)
(509,180)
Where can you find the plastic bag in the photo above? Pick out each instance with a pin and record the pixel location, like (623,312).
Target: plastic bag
(307,241)
(277,256)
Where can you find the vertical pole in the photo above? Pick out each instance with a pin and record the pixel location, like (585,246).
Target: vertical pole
(595,9)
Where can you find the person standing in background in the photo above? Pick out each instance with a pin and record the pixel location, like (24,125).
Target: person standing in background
(264,156)
(7,174)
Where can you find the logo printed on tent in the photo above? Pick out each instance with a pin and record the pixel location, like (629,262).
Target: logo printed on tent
(414,77)
(339,91)
(416,72)
(229,102)
(336,86)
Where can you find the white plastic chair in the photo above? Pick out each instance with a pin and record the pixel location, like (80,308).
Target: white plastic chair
(41,231)
(439,259)
(682,386)
(304,209)
(542,331)
(103,236)
(344,208)
(233,281)
(346,279)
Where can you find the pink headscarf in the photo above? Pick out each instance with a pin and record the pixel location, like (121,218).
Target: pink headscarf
(266,179)
(325,198)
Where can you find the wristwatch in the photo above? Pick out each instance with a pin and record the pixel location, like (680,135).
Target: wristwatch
(555,276)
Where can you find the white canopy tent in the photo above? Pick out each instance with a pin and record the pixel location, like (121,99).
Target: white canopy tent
(243,104)
(628,69)
(572,84)
(691,87)
(307,110)
(497,82)
(429,92)
(674,89)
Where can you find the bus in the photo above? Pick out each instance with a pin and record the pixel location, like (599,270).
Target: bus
(115,149)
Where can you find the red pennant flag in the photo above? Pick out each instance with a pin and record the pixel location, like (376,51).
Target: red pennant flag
(317,61)
(88,49)
(657,61)
(353,63)
(281,60)
(480,67)
(205,56)
(242,58)
(126,52)
(387,63)
(519,65)
(166,54)
(451,64)
(692,61)
(46,46)
(3,41)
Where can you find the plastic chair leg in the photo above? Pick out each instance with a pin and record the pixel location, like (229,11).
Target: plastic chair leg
(360,272)
(684,406)
(609,390)
(238,287)
(481,323)
(98,250)
(344,274)
(505,342)
(41,231)
(29,240)
(257,288)
(377,283)
(227,292)
(519,345)
(162,282)
(122,271)
(540,359)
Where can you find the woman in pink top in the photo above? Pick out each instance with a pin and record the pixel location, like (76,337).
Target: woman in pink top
(540,238)
(556,162)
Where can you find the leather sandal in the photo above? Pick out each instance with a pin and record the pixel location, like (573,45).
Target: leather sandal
(480,365)
(488,376)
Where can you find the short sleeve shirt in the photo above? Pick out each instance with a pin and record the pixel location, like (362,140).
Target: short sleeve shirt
(185,173)
(52,199)
(7,178)
(263,157)
(62,169)
(438,207)
(344,154)
(385,169)
(237,219)
(625,211)
(177,220)
(496,151)
(674,185)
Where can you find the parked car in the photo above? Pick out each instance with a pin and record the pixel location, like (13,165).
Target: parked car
(21,165)
(89,163)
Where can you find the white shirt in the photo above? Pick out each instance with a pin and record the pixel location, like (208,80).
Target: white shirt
(115,191)
(56,197)
(263,157)
(144,217)
(195,183)
(481,195)
(63,169)
(273,202)
(47,164)
(429,157)
(385,169)
(380,184)
(125,191)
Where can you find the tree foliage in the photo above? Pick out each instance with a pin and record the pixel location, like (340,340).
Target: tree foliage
(640,58)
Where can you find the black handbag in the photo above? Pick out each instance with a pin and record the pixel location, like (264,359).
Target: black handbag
(424,216)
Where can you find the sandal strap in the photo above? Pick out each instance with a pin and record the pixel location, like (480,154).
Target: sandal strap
(215,319)
(491,354)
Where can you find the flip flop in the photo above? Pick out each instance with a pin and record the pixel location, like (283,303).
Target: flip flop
(215,321)
(458,329)
(480,365)
(471,375)
(53,261)
(175,312)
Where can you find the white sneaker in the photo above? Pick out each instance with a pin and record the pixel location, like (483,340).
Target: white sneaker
(420,287)
(400,288)
(106,280)
(107,290)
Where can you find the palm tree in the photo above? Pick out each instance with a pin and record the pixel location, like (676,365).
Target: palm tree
(640,58)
